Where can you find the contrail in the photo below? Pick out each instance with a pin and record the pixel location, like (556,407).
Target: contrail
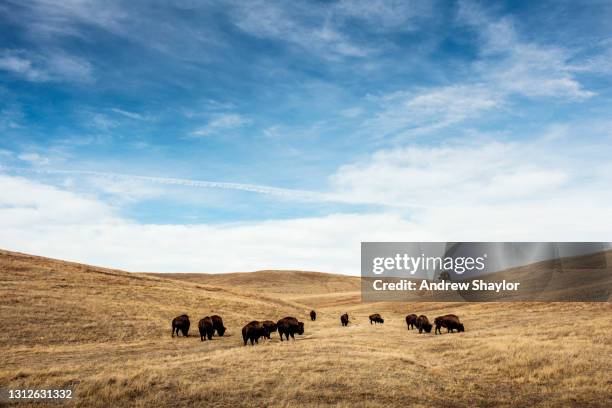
(254,188)
(293,194)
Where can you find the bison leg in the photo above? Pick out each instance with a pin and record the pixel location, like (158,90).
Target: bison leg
(291,337)
(172,331)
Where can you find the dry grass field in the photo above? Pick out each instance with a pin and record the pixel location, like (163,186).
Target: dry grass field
(107,334)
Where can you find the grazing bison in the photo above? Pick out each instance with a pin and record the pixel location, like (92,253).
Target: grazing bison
(289,326)
(217,322)
(313,315)
(411,320)
(450,321)
(269,327)
(344,319)
(422,323)
(253,331)
(181,323)
(207,328)
(376,318)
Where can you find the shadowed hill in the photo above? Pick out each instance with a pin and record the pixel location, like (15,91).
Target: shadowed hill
(274,281)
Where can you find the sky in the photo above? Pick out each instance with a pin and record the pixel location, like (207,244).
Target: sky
(224,136)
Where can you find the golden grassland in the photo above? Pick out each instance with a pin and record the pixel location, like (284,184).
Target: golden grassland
(107,334)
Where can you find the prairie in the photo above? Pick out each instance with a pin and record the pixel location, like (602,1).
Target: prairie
(106,333)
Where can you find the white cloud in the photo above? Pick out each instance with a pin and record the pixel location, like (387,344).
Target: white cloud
(473,174)
(221,122)
(462,192)
(34,159)
(45,220)
(506,66)
(431,109)
(517,66)
(34,205)
(313,28)
(54,67)
(47,18)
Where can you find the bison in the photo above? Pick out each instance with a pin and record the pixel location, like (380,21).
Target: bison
(422,323)
(217,322)
(344,319)
(450,321)
(376,318)
(207,328)
(411,320)
(253,331)
(289,326)
(313,315)
(181,323)
(269,327)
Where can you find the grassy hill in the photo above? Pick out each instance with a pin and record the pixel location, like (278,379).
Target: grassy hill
(107,333)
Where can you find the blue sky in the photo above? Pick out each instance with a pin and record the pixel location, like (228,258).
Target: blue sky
(228,135)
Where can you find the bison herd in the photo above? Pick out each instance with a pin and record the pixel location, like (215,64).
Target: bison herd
(450,322)
(290,326)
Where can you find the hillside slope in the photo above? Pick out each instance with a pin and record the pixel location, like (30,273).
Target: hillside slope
(274,282)
(106,333)
(50,301)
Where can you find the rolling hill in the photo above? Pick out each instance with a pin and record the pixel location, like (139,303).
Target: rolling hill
(106,333)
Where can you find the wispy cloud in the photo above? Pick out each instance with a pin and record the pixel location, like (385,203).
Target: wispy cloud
(221,122)
(518,66)
(130,115)
(254,188)
(54,67)
(34,159)
(506,66)
(324,29)
(303,25)
(427,110)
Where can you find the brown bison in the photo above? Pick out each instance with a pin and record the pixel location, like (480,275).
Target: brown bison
(411,320)
(207,328)
(253,331)
(376,318)
(313,315)
(181,323)
(217,322)
(422,323)
(450,321)
(269,327)
(344,319)
(289,326)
